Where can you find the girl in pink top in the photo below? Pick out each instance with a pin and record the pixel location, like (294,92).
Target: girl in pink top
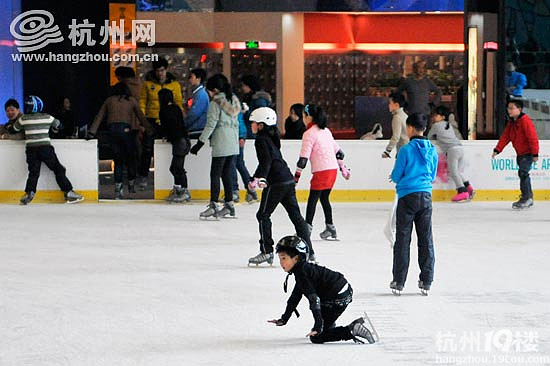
(326,157)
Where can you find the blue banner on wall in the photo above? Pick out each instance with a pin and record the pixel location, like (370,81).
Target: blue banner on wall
(11,77)
(418,5)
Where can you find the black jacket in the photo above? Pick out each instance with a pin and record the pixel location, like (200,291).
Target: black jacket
(294,130)
(319,284)
(171,120)
(271,165)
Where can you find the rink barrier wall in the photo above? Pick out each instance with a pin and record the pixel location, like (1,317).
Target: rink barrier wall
(493,180)
(79,157)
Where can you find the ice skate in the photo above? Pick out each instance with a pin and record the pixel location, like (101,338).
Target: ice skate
(523,204)
(118,191)
(143,184)
(211,211)
(73,197)
(186,195)
(424,288)
(261,258)
(329,233)
(27,198)
(471,192)
(461,197)
(374,332)
(236,197)
(311,259)
(227,209)
(132,186)
(176,195)
(396,288)
(358,330)
(251,195)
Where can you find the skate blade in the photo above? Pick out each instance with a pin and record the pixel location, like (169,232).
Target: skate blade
(209,218)
(374,332)
(423,292)
(396,292)
(228,217)
(331,239)
(75,201)
(259,265)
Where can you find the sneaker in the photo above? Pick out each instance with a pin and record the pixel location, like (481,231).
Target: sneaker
(470,190)
(236,197)
(358,330)
(461,197)
(523,204)
(73,197)
(227,209)
(329,232)
(424,287)
(27,198)
(396,288)
(119,191)
(251,195)
(261,258)
(132,186)
(211,211)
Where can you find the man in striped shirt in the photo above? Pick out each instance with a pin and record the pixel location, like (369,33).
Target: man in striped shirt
(36,126)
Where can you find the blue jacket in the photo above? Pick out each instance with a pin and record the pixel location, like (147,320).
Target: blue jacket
(196,116)
(416,167)
(242,127)
(516,79)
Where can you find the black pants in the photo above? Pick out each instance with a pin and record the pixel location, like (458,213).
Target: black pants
(178,171)
(46,154)
(415,207)
(314,196)
(524,163)
(272,195)
(331,311)
(147,148)
(123,143)
(221,168)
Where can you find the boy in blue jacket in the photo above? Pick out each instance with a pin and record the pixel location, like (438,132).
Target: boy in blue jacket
(413,173)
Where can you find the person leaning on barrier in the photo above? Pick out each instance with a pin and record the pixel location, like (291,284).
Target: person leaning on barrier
(13,113)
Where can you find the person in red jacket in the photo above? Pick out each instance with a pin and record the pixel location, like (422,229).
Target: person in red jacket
(521,132)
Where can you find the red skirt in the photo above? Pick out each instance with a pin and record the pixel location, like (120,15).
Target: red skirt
(323,180)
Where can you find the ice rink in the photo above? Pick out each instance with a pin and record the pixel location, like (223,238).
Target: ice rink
(149,284)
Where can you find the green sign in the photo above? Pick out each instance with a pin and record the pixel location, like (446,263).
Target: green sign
(252,44)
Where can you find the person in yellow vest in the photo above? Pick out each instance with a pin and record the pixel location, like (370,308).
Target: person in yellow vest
(155,80)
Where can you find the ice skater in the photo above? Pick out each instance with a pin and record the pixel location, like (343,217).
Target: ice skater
(327,291)
(521,131)
(326,157)
(413,173)
(399,138)
(444,135)
(36,126)
(274,176)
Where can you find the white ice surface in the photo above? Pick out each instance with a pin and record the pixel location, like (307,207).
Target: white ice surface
(150,284)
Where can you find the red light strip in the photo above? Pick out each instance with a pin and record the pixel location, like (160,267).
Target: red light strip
(454,47)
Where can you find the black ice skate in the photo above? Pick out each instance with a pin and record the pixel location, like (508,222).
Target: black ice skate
(424,288)
(27,198)
(132,186)
(251,195)
(119,191)
(211,211)
(236,196)
(261,258)
(396,288)
(73,197)
(329,233)
(358,330)
(311,259)
(227,209)
(523,204)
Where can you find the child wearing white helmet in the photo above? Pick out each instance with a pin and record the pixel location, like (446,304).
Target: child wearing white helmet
(274,176)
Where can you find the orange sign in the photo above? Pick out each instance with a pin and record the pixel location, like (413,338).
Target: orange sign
(121,49)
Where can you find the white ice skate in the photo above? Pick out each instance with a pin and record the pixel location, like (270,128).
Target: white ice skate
(261,258)
(73,197)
